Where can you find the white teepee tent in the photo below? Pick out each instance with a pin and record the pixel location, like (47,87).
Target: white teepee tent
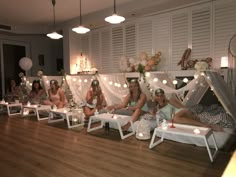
(217,84)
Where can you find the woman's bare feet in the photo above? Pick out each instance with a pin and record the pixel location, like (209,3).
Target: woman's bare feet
(215,127)
(125,127)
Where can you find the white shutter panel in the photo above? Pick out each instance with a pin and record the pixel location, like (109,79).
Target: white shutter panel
(85,45)
(201,33)
(117,47)
(145,37)
(179,38)
(225,28)
(130,40)
(161,39)
(106,52)
(95,50)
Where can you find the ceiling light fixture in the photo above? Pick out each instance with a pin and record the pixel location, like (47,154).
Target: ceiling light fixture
(54,35)
(80,29)
(114,19)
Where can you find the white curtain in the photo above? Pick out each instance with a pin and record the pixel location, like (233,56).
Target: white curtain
(114,87)
(222,91)
(79,85)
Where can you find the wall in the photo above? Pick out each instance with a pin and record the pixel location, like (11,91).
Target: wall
(35,46)
(206,28)
(72,50)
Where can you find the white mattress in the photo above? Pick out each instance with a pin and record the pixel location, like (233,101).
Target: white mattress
(221,137)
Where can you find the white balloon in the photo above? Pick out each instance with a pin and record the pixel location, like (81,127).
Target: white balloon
(25,63)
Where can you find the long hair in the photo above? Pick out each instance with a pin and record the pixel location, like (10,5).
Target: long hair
(139,88)
(55,82)
(33,88)
(160,91)
(9,88)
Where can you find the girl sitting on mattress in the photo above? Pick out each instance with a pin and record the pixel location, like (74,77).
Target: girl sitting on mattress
(134,103)
(56,96)
(13,91)
(182,115)
(95,100)
(37,95)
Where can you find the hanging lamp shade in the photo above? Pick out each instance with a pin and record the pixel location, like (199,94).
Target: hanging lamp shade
(54,34)
(81,29)
(114,19)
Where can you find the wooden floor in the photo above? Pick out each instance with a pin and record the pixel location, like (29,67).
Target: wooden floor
(29,148)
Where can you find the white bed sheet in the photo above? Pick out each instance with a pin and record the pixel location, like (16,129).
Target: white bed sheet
(221,137)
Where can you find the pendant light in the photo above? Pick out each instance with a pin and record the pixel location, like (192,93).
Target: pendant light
(114,19)
(80,29)
(54,35)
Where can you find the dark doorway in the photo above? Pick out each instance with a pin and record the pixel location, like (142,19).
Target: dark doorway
(11,56)
(59,64)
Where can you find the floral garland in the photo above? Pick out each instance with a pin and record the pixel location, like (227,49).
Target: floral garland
(142,64)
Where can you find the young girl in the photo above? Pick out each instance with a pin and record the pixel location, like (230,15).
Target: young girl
(181,115)
(37,94)
(56,95)
(134,103)
(13,91)
(95,100)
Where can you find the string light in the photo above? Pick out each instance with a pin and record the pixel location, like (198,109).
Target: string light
(68,77)
(155,80)
(164,81)
(185,80)
(147,74)
(175,82)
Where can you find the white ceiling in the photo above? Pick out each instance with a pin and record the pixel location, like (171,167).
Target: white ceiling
(40,12)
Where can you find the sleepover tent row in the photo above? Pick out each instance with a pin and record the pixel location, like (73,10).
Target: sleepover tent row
(115,88)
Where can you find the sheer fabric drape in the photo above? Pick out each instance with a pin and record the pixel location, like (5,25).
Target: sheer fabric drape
(115,87)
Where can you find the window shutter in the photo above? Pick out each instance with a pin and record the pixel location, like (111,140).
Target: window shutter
(161,39)
(225,28)
(117,47)
(85,45)
(179,38)
(201,33)
(106,51)
(145,37)
(130,41)
(95,50)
